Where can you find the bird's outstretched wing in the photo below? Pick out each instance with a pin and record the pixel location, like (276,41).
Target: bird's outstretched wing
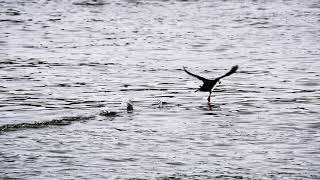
(199,77)
(232,70)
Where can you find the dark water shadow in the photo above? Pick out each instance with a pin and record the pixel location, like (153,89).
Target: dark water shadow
(36,125)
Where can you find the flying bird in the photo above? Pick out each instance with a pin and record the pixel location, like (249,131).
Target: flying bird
(210,84)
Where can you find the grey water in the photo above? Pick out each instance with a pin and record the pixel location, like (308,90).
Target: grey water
(63,62)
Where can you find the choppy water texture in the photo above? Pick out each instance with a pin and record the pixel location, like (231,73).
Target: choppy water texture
(64,62)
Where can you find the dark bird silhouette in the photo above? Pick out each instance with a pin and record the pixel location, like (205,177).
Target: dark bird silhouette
(210,84)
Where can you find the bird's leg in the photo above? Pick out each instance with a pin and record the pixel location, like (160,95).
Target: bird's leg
(209,97)
(198,89)
(209,107)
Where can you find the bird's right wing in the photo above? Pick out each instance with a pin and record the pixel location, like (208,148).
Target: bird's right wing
(231,71)
(194,75)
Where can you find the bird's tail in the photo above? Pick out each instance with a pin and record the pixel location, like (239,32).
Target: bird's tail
(232,70)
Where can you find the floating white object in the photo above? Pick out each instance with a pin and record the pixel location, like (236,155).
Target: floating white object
(107,113)
(160,103)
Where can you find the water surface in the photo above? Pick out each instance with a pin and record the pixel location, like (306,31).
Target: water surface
(63,62)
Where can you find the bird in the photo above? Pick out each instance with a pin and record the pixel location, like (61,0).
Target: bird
(129,106)
(210,84)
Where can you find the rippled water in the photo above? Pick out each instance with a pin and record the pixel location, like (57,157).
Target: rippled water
(63,62)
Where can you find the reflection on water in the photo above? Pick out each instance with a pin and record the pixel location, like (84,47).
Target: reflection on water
(67,69)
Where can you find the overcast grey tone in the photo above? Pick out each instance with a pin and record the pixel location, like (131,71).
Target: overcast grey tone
(68,68)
